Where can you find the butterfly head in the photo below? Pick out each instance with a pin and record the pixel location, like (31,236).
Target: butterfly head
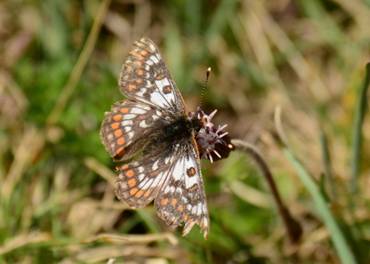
(213,141)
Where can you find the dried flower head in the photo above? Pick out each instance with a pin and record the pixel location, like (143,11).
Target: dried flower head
(213,143)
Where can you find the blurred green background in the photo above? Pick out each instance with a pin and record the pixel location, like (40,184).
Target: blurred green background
(59,65)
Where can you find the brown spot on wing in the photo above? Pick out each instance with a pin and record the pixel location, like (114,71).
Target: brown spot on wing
(167,89)
(191,171)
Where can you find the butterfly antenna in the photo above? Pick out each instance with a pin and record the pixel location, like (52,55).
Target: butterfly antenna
(204,87)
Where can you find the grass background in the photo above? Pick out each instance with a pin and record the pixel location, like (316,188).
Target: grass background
(59,65)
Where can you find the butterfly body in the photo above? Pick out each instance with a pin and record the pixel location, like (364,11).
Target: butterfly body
(157,142)
(177,130)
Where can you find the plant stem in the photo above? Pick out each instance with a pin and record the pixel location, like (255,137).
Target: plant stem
(357,130)
(292,226)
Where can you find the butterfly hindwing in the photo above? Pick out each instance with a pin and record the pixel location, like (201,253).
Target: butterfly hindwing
(145,77)
(182,198)
(139,181)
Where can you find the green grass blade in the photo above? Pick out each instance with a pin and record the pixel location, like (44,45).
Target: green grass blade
(219,20)
(357,129)
(329,178)
(342,247)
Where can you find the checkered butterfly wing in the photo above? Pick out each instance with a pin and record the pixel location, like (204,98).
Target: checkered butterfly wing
(173,178)
(182,198)
(139,182)
(145,77)
(128,127)
(152,95)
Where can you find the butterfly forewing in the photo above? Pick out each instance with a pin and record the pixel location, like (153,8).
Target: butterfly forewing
(145,77)
(127,126)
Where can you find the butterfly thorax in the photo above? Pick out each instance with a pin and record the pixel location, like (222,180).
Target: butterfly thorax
(179,129)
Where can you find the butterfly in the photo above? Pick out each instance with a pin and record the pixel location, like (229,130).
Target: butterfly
(158,144)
